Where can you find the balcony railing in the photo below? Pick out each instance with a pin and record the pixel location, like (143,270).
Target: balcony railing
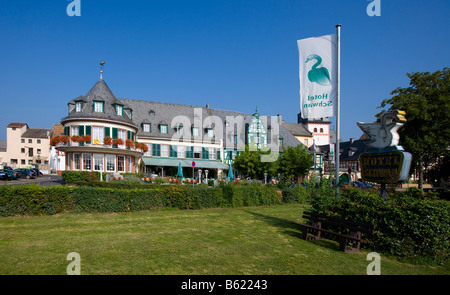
(100,145)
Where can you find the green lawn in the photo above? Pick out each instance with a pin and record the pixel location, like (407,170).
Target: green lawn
(252,240)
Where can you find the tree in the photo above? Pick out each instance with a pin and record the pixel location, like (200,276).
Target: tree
(248,163)
(294,162)
(426,133)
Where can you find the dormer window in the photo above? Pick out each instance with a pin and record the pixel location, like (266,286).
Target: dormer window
(195,131)
(163,128)
(210,132)
(98,106)
(146,127)
(119,110)
(78,106)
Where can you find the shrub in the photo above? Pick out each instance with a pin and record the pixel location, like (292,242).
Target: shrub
(406,227)
(72,177)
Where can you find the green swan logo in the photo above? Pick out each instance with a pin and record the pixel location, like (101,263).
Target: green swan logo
(319,75)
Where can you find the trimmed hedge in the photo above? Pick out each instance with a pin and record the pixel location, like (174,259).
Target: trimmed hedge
(37,200)
(407,224)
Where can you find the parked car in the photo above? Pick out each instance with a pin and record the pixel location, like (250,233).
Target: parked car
(4,176)
(25,173)
(12,174)
(36,171)
(359,184)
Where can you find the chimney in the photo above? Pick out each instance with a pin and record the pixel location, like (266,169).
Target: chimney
(280,118)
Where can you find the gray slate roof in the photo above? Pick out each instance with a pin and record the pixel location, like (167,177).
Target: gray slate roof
(99,92)
(157,113)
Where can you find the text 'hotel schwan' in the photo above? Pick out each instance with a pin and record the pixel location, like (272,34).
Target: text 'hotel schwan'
(105,133)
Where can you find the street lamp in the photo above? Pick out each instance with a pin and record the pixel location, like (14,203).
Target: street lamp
(199,175)
(206,173)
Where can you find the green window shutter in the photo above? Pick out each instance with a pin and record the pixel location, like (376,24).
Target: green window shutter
(156,150)
(128,134)
(107,131)
(67,131)
(205,153)
(132,136)
(218,154)
(88,130)
(114,132)
(173,151)
(189,152)
(81,130)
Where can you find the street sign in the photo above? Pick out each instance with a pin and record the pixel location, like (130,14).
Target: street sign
(193,164)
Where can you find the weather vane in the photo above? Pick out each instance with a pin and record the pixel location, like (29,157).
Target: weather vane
(102,64)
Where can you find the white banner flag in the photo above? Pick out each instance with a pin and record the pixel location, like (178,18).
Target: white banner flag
(318,76)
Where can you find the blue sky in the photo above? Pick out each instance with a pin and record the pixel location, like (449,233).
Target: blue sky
(233,55)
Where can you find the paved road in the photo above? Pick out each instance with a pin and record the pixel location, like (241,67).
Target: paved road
(43,180)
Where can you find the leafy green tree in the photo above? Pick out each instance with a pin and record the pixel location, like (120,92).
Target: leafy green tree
(249,164)
(294,162)
(426,102)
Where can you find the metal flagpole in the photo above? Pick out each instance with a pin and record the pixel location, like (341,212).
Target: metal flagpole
(338,95)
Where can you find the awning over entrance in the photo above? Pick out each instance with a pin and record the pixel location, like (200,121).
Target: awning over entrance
(173,162)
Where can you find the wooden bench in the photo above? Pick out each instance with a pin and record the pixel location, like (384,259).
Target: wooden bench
(348,232)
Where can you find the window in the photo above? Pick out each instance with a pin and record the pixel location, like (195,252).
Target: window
(110,163)
(195,131)
(22,162)
(123,135)
(181,151)
(75,130)
(86,161)
(305,142)
(149,152)
(30,152)
(38,141)
(280,141)
(38,151)
(164,150)
(212,154)
(119,110)
(13,128)
(98,162)
(97,134)
(22,150)
(146,127)
(22,140)
(315,129)
(76,161)
(78,106)
(197,152)
(98,106)
(180,130)
(210,132)
(121,163)
(163,128)
(129,163)
(321,130)
(13,161)
(30,141)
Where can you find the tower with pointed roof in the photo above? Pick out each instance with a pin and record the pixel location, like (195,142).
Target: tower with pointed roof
(101,131)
